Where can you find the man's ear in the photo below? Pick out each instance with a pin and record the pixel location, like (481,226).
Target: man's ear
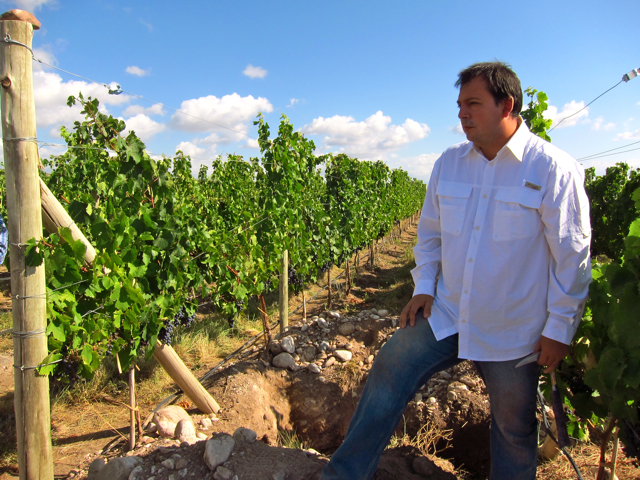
(507,106)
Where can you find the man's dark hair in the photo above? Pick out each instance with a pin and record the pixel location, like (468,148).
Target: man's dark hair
(501,81)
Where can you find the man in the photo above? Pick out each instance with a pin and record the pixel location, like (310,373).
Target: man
(502,270)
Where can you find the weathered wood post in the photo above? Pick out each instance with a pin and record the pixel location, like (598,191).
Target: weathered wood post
(284,292)
(29,300)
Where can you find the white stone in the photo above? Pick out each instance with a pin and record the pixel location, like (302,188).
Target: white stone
(118,468)
(223,473)
(217,450)
(304,328)
(186,431)
(201,436)
(383,313)
(343,355)
(375,317)
(418,397)
(169,463)
(167,418)
(334,314)
(330,361)
(322,323)
(288,345)
(346,329)
(206,423)
(313,368)
(284,360)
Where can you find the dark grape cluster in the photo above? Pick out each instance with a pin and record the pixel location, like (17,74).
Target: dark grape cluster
(69,369)
(268,285)
(325,267)
(296,281)
(179,319)
(240,305)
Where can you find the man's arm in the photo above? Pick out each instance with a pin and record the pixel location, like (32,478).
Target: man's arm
(427,253)
(565,215)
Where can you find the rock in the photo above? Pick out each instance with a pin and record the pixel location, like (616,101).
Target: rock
(169,464)
(244,435)
(167,418)
(322,323)
(333,314)
(373,310)
(313,368)
(324,346)
(186,431)
(183,473)
(118,468)
(433,400)
(217,450)
(223,473)
(418,397)
(309,354)
(369,359)
(135,473)
(95,467)
(346,329)
(452,396)
(152,428)
(343,355)
(423,466)
(457,387)
(468,382)
(181,463)
(304,328)
(284,360)
(275,348)
(375,317)
(201,436)
(288,345)
(148,440)
(206,423)
(445,375)
(383,313)
(330,361)
(279,476)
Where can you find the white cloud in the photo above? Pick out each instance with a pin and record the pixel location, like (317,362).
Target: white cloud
(30,5)
(231,111)
(147,24)
(370,139)
(132,110)
(51,93)
(458,129)
(252,143)
(254,72)
(292,102)
(598,124)
(569,109)
(629,136)
(144,127)
(419,167)
(137,71)
(199,156)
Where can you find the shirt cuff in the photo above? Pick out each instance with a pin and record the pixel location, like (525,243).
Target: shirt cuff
(425,287)
(558,328)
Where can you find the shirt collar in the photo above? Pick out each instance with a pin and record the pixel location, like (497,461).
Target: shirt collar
(516,143)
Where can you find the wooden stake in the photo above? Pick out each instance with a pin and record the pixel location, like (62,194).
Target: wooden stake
(283,289)
(304,304)
(132,404)
(32,408)
(348,278)
(265,322)
(329,289)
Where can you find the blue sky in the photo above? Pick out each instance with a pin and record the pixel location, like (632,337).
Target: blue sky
(369,78)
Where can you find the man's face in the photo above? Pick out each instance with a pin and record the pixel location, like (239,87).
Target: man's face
(479,115)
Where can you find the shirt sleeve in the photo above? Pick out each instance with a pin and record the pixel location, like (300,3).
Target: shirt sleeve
(565,215)
(428,251)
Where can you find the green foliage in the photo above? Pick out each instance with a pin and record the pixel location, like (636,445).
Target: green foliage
(165,240)
(533,114)
(612,208)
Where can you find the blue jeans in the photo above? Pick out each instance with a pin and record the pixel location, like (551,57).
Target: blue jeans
(403,365)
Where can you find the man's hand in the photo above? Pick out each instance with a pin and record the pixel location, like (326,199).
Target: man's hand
(551,353)
(416,303)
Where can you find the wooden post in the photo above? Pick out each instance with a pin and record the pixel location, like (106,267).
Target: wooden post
(180,374)
(265,322)
(28,290)
(348,278)
(284,292)
(132,406)
(329,288)
(304,304)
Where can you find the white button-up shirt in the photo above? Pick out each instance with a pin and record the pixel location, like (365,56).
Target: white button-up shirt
(507,242)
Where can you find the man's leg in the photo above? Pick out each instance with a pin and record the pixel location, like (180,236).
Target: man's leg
(514,426)
(402,366)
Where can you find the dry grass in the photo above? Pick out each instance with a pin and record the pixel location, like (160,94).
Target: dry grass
(6,340)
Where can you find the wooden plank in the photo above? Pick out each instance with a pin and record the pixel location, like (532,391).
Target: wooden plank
(33,420)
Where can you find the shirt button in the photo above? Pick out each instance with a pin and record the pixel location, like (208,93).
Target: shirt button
(464,320)
(478,227)
(470,260)
(466,291)
(484,196)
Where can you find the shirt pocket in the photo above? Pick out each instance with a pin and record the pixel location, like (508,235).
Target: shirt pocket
(453,199)
(516,215)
